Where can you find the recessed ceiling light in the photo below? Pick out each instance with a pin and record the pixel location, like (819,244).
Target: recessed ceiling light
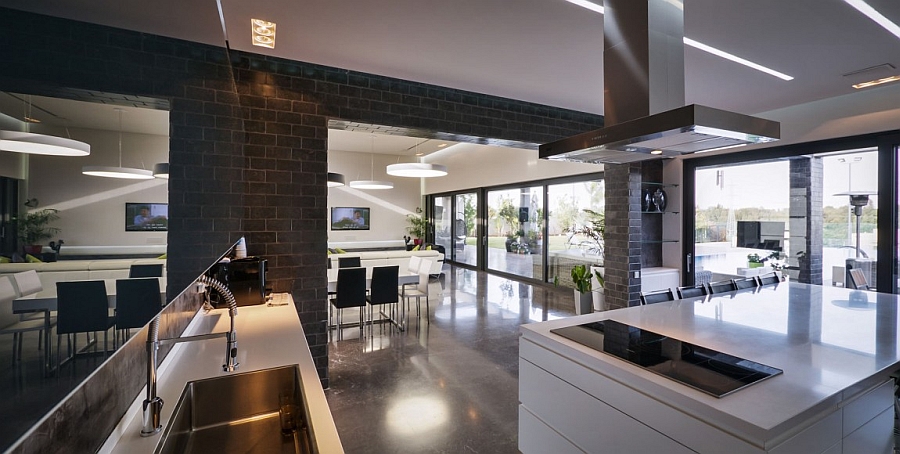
(263,33)
(656,152)
(879,18)
(736,59)
(586,4)
(872,83)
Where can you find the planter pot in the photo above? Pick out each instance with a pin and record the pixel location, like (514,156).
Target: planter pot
(33,249)
(583,302)
(599,300)
(755,265)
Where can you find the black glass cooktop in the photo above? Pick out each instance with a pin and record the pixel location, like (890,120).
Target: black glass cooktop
(707,370)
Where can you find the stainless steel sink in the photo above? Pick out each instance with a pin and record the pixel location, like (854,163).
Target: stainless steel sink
(252,412)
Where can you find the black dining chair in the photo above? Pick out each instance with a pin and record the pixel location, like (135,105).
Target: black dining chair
(745,283)
(82,307)
(383,289)
(137,302)
(350,291)
(768,279)
(658,296)
(691,291)
(721,287)
(146,270)
(348,262)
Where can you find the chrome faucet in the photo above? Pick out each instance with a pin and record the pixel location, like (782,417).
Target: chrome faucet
(152,408)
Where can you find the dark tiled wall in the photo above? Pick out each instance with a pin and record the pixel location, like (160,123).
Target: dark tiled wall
(806,218)
(623,234)
(249,136)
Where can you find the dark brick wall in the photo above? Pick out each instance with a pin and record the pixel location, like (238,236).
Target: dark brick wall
(249,136)
(805,216)
(623,234)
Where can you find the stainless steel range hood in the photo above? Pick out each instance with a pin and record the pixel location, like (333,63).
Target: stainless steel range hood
(684,130)
(644,111)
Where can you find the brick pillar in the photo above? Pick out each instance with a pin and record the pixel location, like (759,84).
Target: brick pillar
(806,225)
(623,234)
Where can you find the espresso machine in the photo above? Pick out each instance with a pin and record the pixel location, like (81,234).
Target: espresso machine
(245,277)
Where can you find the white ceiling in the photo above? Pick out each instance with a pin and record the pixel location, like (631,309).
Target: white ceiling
(544,51)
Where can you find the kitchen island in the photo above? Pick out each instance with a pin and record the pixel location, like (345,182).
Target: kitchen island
(837,349)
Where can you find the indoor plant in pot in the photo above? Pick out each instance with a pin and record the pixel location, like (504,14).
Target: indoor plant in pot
(34,227)
(582,280)
(418,226)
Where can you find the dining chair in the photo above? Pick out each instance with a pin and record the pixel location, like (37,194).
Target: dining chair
(657,296)
(348,262)
(11,324)
(691,291)
(383,289)
(28,283)
(721,287)
(350,291)
(146,270)
(745,283)
(768,279)
(137,302)
(82,307)
(415,262)
(420,291)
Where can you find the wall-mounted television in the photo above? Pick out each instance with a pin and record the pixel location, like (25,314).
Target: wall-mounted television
(349,218)
(146,217)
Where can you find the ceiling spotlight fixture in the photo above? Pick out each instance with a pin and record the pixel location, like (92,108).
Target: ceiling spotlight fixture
(417,170)
(263,33)
(161,170)
(335,180)
(126,173)
(373,183)
(873,83)
(656,152)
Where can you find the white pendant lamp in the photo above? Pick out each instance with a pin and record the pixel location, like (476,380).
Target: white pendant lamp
(127,173)
(26,142)
(161,170)
(335,180)
(417,170)
(373,183)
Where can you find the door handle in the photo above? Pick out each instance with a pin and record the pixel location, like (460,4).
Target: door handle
(688,263)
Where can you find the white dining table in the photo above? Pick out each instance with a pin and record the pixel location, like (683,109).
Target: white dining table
(46,301)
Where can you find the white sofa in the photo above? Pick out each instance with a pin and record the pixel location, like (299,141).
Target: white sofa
(73,270)
(388,258)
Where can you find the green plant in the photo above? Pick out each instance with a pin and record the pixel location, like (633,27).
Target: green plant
(754,258)
(34,226)
(418,225)
(599,278)
(581,278)
(594,229)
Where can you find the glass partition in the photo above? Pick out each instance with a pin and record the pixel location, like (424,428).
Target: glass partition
(442,224)
(570,208)
(515,231)
(465,245)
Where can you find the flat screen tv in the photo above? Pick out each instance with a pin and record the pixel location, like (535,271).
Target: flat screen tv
(146,217)
(349,218)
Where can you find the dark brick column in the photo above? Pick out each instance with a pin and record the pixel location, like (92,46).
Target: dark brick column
(806,228)
(623,234)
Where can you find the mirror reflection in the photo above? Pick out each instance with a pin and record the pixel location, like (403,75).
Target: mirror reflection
(69,219)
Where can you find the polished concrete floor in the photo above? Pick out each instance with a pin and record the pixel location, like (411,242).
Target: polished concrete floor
(446,385)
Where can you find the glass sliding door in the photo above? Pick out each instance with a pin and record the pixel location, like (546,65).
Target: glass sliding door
(571,207)
(516,231)
(465,240)
(443,223)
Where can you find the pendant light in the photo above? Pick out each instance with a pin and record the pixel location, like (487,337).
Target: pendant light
(31,143)
(373,183)
(127,173)
(161,170)
(335,180)
(417,169)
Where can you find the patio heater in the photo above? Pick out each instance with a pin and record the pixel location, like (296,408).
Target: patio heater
(858,200)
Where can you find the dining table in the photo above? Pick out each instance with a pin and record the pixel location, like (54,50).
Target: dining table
(45,301)
(404,277)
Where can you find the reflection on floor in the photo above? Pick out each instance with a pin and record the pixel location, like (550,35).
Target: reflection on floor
(450,385)
(27,394)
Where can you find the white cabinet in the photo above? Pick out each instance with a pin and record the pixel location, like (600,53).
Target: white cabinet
(659,278)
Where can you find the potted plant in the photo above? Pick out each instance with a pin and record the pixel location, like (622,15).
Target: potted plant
(418,226)
(754,261)
(582,280)
(599,297)
(33,227)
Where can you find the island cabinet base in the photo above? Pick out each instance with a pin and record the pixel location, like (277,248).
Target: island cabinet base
(568,407)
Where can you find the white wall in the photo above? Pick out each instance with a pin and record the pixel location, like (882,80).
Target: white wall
(92,209)
(472,166)
(389,207)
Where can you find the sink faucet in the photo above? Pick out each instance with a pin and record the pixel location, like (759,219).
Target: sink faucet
(153,404)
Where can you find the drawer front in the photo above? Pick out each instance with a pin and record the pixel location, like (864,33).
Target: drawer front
(874,437)
(868,406)
(535,437)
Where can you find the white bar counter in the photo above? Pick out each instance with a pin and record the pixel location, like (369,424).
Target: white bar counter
(267,336)
(837,348)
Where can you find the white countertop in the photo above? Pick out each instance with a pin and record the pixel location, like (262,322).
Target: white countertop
(827,347)
(267,337)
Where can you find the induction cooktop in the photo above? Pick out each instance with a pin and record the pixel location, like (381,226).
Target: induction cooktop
(713,372)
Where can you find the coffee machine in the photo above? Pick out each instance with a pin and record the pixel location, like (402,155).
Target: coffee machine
(245,277)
